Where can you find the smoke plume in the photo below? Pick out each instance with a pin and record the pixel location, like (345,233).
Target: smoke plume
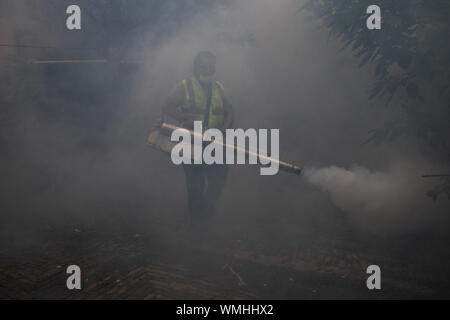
(380,202)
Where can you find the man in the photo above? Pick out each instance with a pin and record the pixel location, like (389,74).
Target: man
(202,98)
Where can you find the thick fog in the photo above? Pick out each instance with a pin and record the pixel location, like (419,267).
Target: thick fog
(76,153)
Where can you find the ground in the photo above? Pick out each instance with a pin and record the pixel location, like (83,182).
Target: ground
(119,264)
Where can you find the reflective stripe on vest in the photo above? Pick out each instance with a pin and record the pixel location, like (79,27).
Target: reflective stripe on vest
(196,102)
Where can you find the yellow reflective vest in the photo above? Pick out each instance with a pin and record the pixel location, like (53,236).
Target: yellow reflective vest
(196,102)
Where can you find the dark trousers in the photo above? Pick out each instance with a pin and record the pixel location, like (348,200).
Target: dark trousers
(204,185)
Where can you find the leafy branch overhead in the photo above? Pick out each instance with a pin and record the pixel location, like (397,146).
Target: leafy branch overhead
(409,57)
(442,188)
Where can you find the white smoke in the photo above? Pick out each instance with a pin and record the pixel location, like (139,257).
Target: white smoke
(384,203)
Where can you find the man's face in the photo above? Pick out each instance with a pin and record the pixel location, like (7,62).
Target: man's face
(206,69)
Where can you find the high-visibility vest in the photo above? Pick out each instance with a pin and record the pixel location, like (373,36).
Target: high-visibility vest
(196,100)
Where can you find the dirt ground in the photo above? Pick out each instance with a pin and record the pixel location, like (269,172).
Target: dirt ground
(119,264)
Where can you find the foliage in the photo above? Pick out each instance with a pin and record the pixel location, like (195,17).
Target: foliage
(409,55)
(442,188)
(410,61)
